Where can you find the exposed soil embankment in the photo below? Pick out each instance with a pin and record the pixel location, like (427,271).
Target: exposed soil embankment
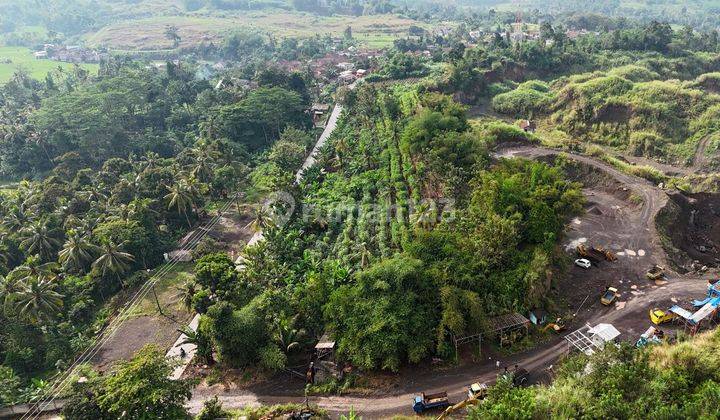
(690,229)
(596,179)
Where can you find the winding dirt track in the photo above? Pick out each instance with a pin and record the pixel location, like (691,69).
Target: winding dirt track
(537,360)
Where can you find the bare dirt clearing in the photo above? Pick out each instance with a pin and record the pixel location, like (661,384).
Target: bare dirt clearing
(690,224)
(145,325)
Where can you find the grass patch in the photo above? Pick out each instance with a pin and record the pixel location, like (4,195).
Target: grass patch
(166,291)
(333,386)
(642,171)
(13,59)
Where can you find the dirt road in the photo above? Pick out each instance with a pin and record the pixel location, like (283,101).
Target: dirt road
(615,217)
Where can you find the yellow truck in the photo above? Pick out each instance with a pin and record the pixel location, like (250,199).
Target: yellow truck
(609,296)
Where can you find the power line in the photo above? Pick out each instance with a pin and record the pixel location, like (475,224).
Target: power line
(110,329)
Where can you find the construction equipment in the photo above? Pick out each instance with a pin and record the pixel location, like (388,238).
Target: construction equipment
(655,272)
(658,316)
(609,296)
(424,401)
(459,406)
(595,254)
(556,326)
(477,390)
(609,255)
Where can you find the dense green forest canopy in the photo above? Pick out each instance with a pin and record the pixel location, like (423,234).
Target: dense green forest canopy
(135,110)
(126,161)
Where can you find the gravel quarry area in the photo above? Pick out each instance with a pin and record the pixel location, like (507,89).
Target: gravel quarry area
(690,225)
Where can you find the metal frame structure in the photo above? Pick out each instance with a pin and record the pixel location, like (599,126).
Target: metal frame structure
(458,341)
(581,342)
(504,325)
(587,339)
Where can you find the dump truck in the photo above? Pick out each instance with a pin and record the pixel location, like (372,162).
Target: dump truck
(609,296)
(658,316)
(425,401)
(655,272)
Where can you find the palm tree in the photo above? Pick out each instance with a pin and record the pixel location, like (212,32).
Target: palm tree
(150,161)
(341,149)
(203,167)
(15,219)
(9,287)
(114,260)
(39,139)
(181,198)
(38,301)
(34,269)
(77,252)
(185,293)
(204,347)
(423,217)
(364,254)
(94,194)
(262,219)
(38,239)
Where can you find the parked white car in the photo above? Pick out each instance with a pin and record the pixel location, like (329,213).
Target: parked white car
(582,262)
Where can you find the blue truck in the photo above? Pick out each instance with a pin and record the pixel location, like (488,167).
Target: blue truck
(425,401)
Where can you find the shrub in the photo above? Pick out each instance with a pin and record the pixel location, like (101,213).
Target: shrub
(646,144)
(495,132)
(201,301)
(272,358)
(529,97)
(205,247)
(212,410)
(634,73)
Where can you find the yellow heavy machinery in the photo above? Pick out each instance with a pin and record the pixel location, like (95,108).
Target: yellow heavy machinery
(556,326)
(655,272)
(608,298)
(658,316)
(609,255)
(596,253)
(459,406)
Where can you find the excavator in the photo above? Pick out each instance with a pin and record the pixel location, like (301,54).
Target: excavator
(556,326)
(459,406)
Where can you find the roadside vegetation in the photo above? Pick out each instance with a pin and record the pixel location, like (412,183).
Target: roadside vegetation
(667,381)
